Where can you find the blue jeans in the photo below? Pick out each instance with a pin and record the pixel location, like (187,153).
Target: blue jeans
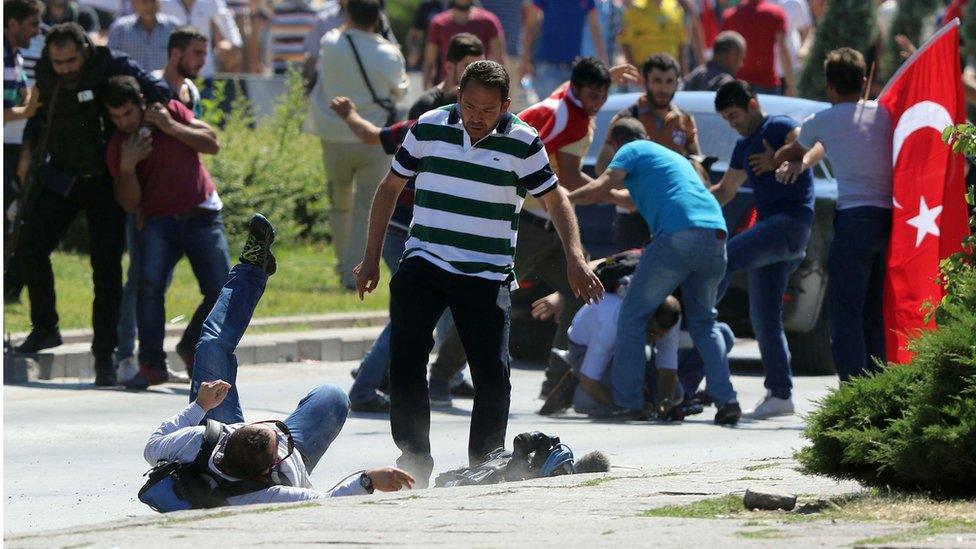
(162,242)
(771,250)
(693,259)
(691,369)
(549,76)
(855,285)
(320,415)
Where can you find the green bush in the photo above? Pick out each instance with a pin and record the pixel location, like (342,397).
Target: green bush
(908,21)
(271,167)
(844,24)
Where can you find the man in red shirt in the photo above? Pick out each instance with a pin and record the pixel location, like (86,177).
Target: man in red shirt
(463,16)
(763,25)
(154,158)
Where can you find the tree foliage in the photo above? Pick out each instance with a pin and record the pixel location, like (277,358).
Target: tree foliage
(850,23)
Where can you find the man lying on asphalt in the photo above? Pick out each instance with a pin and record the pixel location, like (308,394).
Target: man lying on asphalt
(276,456)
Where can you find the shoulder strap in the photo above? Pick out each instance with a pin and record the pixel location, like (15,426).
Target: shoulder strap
(634,111)
(362,70)
(211,436)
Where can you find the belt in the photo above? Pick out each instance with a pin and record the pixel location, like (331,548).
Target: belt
(528,217)
(191,213)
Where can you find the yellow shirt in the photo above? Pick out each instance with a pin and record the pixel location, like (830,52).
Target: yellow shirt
(650,29)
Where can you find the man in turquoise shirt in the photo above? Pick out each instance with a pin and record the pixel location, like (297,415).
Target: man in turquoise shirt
(687,250)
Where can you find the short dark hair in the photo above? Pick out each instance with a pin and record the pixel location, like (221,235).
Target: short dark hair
(246,452)
(590,72)
(728,41)
(20,10)
(663,62)
(183,36)
(120,90)
(667,314)
(364,13)
(488,74)
(736,93)
(464,44)
(66,33)
(627,129)
(844,69)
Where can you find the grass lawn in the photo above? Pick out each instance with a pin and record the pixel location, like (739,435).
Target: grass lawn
(305,283)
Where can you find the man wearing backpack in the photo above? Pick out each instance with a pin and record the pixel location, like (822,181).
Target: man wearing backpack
(263,462)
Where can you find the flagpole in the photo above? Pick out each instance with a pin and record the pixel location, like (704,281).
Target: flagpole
(938,34)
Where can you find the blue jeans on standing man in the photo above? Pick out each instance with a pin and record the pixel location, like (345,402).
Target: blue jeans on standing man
(162,242)
(770,250)
(855,287)
(693,259)
(320,415)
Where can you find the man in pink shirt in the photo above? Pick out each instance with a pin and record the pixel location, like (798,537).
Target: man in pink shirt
(763,24)
(154,158)
(463,16)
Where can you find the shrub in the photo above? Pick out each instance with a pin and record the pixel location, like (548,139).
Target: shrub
(271,167)
(908,21)
(844,24)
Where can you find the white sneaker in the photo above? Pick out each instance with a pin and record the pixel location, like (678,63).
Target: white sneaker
(771,406)
(177,376)
(127,369)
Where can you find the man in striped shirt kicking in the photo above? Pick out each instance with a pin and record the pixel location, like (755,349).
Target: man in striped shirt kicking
(474,163)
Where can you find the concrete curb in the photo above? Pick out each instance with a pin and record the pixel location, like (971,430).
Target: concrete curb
(298,322)
(327,345)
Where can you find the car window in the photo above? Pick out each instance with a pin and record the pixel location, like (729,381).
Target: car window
(715,136)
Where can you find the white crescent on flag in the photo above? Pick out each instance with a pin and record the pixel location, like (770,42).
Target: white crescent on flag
(925,114)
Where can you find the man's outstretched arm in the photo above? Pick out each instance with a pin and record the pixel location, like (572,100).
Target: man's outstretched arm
(176,438)
(384,201)
(584,283)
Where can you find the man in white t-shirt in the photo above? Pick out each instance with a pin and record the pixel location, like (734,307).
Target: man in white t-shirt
(799,22)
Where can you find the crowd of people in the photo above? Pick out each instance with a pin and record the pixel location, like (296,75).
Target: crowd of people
(101,115)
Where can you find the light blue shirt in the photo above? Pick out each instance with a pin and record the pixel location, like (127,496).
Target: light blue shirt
(666,189)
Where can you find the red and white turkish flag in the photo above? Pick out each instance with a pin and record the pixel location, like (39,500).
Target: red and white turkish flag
(930,218)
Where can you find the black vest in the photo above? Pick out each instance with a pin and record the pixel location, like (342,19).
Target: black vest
(80,126)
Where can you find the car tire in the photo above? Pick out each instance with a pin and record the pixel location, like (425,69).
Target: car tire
(811,350)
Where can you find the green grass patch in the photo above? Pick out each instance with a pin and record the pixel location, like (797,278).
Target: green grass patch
(931,528)
(760,466)
(765,533)
(749,478)
(306,283)
(725,506)
(594,482)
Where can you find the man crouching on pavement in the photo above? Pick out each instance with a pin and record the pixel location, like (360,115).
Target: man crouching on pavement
(275,456)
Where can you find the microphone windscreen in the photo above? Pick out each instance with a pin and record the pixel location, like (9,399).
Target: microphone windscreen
(594,462)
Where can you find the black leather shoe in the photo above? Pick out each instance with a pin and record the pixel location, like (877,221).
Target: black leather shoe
(376,405)
(257,249)
(728,414)
(38,340)
(105,373)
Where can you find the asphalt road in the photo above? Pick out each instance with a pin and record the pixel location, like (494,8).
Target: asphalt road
(73,455)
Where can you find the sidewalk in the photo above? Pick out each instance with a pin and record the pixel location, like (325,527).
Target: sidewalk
(574,511)
(330,337)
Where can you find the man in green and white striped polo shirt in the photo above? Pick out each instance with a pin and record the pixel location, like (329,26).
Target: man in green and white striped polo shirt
(474,163)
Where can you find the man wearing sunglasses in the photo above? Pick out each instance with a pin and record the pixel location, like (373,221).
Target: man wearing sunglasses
(274,458)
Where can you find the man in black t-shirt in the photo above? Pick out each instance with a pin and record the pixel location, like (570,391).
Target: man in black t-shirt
(464,49)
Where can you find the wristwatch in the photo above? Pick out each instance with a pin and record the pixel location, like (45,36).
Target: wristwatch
(366,482)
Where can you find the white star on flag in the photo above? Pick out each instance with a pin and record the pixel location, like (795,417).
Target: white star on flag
(924,222)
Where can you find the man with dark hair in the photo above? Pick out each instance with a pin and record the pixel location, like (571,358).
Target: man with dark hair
(75,177)
(464,49)
(210,17)
(70,11)
(357,63)
(856,135)
(665,125)
(274,457)
(688,250)
(186,55)
(564,122)
(21,23)
(775,246)
(154,158)
(473,162)
(728,53)
(143,35)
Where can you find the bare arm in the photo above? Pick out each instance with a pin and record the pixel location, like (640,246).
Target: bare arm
(593,18)
(571,177)
(197,135)
(384,201)
(415,46)
(584,283)
(128,191)
(430,64)
(595,389)
(599,189)
(531,20)
(969,84)
(786,62)
(25,111)
(788,172)
(730,183)
(497,48)
(364,129)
